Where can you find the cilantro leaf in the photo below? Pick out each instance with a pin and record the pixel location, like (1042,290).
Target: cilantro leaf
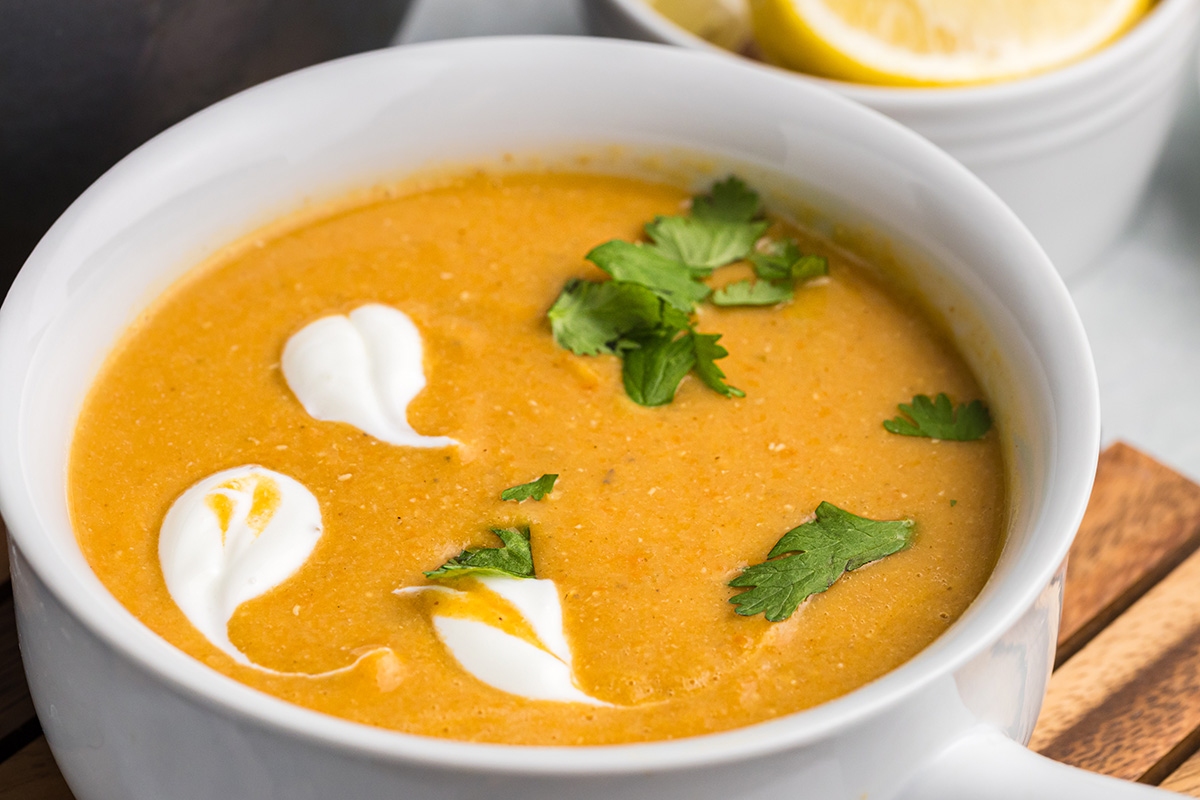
(809,266)
(590,318)
(810,557)
(645,313)
(703,244)
(729,200)
(652,372)
(707,351)
(938,419)
(775,263)
(784,260)
(664,276)
(534,490)
(752,293)
(513,559)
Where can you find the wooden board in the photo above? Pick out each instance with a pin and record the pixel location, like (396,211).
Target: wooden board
(1131,696)
(31,774)
(1124,700)
(16,708)
(1186,779)
(1142,520)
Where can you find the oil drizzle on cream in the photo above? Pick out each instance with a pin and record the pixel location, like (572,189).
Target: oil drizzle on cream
(234,536)
(529,658)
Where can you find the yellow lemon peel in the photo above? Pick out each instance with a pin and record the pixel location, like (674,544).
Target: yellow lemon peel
(936,42)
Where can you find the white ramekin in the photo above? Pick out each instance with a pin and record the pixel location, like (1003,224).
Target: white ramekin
(129,717)
(1071,151)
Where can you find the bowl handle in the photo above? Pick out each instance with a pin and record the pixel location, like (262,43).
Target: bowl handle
(987,765)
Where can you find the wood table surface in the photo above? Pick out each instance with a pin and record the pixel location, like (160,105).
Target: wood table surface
(1125,695)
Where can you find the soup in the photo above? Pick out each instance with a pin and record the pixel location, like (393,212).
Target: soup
(219,401)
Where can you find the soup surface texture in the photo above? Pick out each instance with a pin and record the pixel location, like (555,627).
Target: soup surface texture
(654,511)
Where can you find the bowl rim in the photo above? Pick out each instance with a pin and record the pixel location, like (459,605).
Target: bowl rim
(110,623)
(1145,35)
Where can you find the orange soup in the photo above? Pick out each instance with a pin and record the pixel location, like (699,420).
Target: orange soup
(655,509)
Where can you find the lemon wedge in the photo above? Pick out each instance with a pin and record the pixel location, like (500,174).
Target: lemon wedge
(936,42)
(725,23)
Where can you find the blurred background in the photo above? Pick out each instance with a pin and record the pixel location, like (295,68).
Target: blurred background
(83,82)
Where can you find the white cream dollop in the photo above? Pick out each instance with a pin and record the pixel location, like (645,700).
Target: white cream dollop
(510,663)
(231,537)
(361,368)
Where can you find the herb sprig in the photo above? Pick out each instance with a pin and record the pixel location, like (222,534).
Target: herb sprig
(534,490)
(590,318)
(513,559)
(645,314)
(671,280)
(810,557)
(704,244)
(939,419)
(752,293)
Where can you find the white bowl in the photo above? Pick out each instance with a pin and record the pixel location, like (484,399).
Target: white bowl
(1071,151)
(129,717)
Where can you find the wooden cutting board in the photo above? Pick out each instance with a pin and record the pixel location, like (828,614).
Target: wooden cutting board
(1125,696)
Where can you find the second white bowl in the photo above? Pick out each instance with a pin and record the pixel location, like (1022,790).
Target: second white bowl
(1071,151)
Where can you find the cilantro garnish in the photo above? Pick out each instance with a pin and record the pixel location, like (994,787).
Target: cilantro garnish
(653,371)
(591,318)
(644,315)
(810,557)
(534,490)
(783,260)
(635,263)
(514,559)
(752,293)
(704,244)
(723,228)
(729,200)
(707,352)
(779,266)
(938,419)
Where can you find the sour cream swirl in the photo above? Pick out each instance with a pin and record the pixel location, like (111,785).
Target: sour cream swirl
(539,669)
(361,368)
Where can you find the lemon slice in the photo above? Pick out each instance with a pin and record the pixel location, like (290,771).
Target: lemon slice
(936,42)
(725,23)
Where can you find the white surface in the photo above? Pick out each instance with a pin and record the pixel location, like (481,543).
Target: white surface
(171,727)
(1140,305)
(1140,302)
(363,369)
